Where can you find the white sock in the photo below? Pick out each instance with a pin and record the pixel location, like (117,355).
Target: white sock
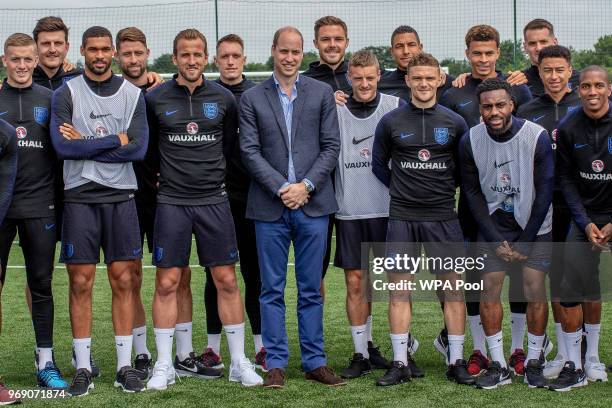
(369,327)
(139,341)
(360,339)
(478,334)
(258,342)
(592,338)
(82,350)
(214,343)
(496,348)
(123,345)
(235,341)
(45,354)
(455,345)
(518,325)
(534,346)
(561,349)
(573,343)
(163,342)
(182,332)
(399,342)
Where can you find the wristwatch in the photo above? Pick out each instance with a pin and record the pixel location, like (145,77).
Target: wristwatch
(309,186)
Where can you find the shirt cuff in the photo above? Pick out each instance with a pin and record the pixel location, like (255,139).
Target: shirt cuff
(285,184)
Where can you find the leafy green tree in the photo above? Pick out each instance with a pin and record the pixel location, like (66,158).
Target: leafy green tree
(383,54)
(505,62)
(455,66)
(163,64)
(600,55)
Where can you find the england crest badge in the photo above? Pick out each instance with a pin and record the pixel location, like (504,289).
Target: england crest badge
(41,114)
(211,110)
(441,135)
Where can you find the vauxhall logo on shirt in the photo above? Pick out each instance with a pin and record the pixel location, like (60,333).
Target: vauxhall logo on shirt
(191,135)
(22,133)
(598,166)
(424,156)
(363,153)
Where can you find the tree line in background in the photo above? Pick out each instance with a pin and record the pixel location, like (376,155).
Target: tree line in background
(601,54)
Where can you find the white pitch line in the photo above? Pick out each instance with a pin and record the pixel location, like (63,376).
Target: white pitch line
(192,240)
(144,266)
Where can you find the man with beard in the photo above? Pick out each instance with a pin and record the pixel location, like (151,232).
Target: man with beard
(132,54)
(98,137)
(331,40)
(194,126)
(508,179)
(230,60)
(548,110)
(289,143)
(584,162)
(405,45)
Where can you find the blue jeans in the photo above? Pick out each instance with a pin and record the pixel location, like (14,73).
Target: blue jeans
(309,235)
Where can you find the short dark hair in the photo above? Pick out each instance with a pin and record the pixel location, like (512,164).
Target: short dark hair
(96,32)
(189,34)
(595,68)
(538,24)
(493,84)
(423,59)
(130,34)
(50,24)
(555,51)
(235,38)
(329,21)
(404,29)
(281,30)
(482,32)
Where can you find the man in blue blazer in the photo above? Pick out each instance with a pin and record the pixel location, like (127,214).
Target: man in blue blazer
(290,141)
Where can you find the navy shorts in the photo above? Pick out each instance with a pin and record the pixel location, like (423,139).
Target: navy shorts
(538,257)
(581,273)
(88,227)
(212,225)
(146,221)
(562,219)
(434,236)
(350,234)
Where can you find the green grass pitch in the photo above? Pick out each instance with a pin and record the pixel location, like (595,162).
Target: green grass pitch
(17,345)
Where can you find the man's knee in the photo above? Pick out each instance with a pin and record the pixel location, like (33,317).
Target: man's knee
(81,282)
(225,280)
(353,284)
(167,282)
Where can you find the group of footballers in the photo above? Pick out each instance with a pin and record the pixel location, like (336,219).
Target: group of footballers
(107,160)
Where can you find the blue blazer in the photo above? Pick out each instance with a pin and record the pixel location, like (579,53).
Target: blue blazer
(315,146)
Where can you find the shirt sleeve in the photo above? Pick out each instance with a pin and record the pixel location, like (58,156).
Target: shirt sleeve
(138,135)
(8,166)
(230,130)
(381,153)
(69,149)
(473,192)
(543,183)
(565,171)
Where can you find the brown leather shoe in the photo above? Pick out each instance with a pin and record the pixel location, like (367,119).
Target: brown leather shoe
(326,376)
(275,378)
